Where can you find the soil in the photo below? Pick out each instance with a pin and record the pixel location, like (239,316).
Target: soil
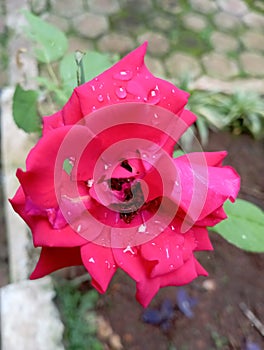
(236,277)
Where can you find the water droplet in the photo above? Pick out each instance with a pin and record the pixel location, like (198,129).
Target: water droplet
(93,108)
(91,260)
(155,119)
(177,246)
(176,183)
(153,243)
(167,253)
(121,92)
(244,236)
(171,267)
(173,91)
(108,97)
(100,98)
(153,96)
(90,182)
(123,75)
(93,87)
(79,227)
(107,166)
(96,79)
(129,249)
(72,160)
(108,264)
(172,228)
(142,228)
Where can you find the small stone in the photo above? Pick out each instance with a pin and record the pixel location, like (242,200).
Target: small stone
(252,63)
(116,43)
(158,44)
(181,64)
(226,21)
(219,66)
(104,330)
(67,8)
(171,6)
(38,6)
(81,44)
(235,7)
(90,25)
(59,22)
(228,87)
(155,66)
(162,23)
(106,7)
(194,22)
(223,42)
(253,40)
(254,20)
(209,285)
(115,342)
(204,6)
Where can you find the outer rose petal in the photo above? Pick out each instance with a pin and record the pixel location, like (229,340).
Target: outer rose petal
(52,259)
(147,288)
(204,187)
(43,233)
(137,86)
(100,264)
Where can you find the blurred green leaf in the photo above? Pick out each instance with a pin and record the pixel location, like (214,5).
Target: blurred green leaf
(51,42)
(25,110)
(244,226)
(178,153)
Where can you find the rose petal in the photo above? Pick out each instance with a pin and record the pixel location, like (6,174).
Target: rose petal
(100,264)
(52,259)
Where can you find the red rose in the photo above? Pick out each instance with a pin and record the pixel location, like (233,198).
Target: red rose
(123,202)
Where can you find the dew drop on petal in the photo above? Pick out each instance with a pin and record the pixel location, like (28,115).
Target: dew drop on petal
(142,228)
(93,87)
(108,264)
(91,260)
(100,98)
(155,119)
(121,92)
(153,96)
(172,228)
(90,182)
(124,75)
(129,249)
(79,227)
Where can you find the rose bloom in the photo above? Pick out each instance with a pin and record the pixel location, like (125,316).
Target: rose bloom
(101,187)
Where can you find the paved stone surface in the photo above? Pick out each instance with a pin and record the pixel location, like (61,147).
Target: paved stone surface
(67,8)
(235,7)
(204,6)
(158,44)
(253,40)
(219,66)
(180,65)
(252,63)
(200,28)
(254,20)
(155,66)
(106,7)
(90,25)
(223,42)
(116,43)
(194,22)
(225,21)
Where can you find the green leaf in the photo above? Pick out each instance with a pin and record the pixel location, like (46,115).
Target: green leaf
(51,42)
(178,153)
(244,226)
(94,63)
(25,110)
(67,166)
